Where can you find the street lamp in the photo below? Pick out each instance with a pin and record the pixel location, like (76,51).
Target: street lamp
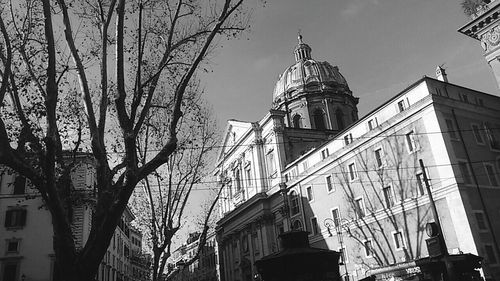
(337,224)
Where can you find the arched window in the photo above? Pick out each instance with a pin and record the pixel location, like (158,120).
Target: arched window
(319,119)
(297,225)
(237,180)
(339,115)
(297,121)
(294,203)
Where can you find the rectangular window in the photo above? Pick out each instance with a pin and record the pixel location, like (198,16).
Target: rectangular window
(352,172)
(372,123)
(481,220)
(492,139)
(19,185)
(410,141)
(368,248)
(378,157)
(15,218)
(490,254)
(490,171)
(479,101)
(329,184)
(452,132)
(401,105)
(336,217)
(10,270)
(309,192)
(248,176)
(314,226)
(305,165)
(348,139)
(464,98)
(388,196)
(464,170)
(359,204)
(398,240)
(325,153)
(477,134)
(13,246)
(420,184)
(271,167)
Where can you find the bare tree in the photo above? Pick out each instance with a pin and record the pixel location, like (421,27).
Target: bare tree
(389,186)
(165,194)
(59,93)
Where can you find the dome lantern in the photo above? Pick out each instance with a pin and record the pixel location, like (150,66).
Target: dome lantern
(302,51)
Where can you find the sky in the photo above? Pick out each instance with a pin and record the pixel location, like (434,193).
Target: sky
(380,46)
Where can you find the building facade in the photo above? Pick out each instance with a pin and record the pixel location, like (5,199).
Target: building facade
(26,235)
(357,186)
(203,269)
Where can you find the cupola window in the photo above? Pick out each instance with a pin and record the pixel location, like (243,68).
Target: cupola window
(319,119)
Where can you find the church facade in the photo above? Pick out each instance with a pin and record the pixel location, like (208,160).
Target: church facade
(357,185)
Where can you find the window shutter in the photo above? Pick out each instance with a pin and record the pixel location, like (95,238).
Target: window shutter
(23,217)
(8,218)
(19,185)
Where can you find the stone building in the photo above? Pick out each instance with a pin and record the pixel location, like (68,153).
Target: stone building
(26,233)
(356,184)
(203,269)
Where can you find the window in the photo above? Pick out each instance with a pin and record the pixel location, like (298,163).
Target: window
(343,256)
(420,184)
(359,205)
(19,185)
(309,191)
(15,218)
(490,254)
(348,139)
(378,157)
(398,240)
(297,225)
(410,141)
(464,98)
(481,220)
(339,116)
(401,105)
(248,175)
(464,170)
(325,153)
(452,132)
(368,248)
(237,179)
(492,139)
(294,203)
(353,175)
(336,217)
(372,123)
(490,171)
(479,101)
(477,134)
(319,119)
(388,196)
(10,270)
(314,226)
(305,165)
(297,121)
(13,246)
(329,184)
(271,168)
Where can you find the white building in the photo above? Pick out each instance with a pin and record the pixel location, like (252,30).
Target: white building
(26,235)
(311,164)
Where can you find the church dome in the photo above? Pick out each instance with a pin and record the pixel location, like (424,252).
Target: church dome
(308,75)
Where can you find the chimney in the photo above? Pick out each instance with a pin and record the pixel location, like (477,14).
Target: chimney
(441,74)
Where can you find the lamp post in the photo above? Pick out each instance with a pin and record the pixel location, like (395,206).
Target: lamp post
(337,224)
